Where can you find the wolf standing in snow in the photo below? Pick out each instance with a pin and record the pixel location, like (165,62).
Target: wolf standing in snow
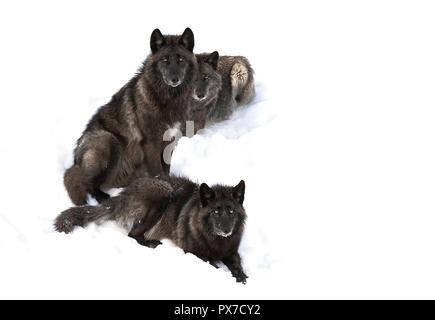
(124,138)
(206,221)
(222,84)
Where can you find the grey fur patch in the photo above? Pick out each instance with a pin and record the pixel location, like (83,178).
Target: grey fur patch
(127,220)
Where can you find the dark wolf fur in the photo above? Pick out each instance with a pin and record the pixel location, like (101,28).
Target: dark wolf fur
(207,87)
(125,137)
(222,84)
(207,222)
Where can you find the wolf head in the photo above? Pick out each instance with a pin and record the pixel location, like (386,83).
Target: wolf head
(173,62)
(208,81)
(222,209)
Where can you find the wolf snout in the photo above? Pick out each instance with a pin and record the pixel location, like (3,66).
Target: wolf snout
(175,82)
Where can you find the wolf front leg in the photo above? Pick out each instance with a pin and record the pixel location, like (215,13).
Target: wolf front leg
(234,263)
(154,159)
(138,233)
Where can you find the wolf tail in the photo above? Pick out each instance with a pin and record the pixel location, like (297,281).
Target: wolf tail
(76,184)
(242,81)
(81,216)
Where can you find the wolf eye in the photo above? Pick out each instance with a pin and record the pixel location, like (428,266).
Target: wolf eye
(231,211)
(180,59)
(205,77)
(165,59)
(216,211)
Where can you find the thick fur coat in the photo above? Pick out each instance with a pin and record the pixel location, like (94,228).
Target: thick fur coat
(125,137)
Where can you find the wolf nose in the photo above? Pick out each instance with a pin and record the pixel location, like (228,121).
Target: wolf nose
(174,80)
(227,230)
(200,95)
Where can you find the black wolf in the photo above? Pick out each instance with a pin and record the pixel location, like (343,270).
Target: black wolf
(207,222)
(207,87)
(125,137)
(222,84)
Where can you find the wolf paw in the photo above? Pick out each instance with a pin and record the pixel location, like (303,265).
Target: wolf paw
(100,196)
(152,243)
(149,243)
(64,224)
(241,277)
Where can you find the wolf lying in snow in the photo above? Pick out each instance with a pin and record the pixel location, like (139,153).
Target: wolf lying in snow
(206,221)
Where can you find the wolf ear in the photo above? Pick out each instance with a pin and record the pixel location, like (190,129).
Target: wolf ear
(239,192)
(206,194)
(157,40)
(212,59)
(187,40)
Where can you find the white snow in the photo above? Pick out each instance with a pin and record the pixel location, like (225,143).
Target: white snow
(337,149)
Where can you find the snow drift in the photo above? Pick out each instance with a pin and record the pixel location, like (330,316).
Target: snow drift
(336,149)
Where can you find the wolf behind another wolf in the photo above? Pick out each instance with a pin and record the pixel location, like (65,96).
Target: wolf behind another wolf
(222,84)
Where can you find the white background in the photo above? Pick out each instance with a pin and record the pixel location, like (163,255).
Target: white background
(337,149)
